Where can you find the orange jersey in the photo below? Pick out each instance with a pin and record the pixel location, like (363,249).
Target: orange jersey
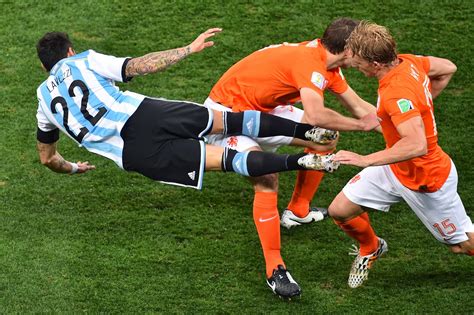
(405,92)
(274,75)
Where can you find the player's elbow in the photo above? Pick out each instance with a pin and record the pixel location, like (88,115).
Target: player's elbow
(46,161)
(420,148)
(451,67)
(314,120)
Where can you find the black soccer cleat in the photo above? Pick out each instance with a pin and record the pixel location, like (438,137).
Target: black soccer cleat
(283,284)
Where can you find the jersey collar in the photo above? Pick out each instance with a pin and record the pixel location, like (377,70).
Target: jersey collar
(392,72)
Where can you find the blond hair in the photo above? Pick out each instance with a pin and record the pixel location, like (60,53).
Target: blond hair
(372,42)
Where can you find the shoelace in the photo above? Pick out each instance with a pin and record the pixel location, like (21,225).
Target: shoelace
(281,275)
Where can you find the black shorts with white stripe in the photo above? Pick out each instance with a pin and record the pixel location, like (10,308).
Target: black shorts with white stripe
(163,141)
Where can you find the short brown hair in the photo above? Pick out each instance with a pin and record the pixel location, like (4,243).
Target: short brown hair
(372,42)
(336,34)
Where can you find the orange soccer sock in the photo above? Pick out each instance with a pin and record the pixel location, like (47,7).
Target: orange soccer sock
(307,183)
(359,228)
(365,216)
(267,221)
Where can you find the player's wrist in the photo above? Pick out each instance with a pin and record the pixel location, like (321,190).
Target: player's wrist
(74,168)
(189,49)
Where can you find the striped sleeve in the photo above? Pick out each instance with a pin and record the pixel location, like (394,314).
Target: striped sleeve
(108,66)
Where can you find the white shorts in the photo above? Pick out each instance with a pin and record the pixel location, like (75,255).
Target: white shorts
(442,212)
(243,143)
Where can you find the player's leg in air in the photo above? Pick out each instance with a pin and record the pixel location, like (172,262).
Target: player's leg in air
(257,124)
(258,163)
(163,140)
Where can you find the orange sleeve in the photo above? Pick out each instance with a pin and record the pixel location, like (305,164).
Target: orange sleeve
(401,109)
(426,63)
(337,82)
(308,76)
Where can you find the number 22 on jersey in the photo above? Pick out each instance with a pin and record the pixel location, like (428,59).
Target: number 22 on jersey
(84,101)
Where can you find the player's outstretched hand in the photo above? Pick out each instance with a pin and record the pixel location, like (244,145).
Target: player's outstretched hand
(350,158)
(201,41)
(370,121)
(83,167)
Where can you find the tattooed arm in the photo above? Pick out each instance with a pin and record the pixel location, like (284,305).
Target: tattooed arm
(51,158)
(159,61)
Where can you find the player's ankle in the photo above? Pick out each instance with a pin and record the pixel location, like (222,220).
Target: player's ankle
(300,211)
(272,267)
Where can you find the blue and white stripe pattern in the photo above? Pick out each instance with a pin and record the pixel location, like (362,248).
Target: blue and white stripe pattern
(251,123)
(98,93)
(239,163)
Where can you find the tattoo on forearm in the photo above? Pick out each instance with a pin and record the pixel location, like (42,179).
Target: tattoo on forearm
(51,158)
(156,61)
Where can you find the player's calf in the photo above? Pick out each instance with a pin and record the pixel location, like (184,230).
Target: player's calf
(256,124)
(257,163)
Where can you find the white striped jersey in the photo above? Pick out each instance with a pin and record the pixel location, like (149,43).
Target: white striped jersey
(80,98)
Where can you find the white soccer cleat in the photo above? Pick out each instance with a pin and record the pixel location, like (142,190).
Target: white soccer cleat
(320,135)
(289,219)
(362,264)
(318,162)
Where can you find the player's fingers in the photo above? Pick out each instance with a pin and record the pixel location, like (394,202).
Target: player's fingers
(340,157)
(214,30)
(209,44)
(346,162)
(206,36)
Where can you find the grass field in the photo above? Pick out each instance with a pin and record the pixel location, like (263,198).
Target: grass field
(114,242)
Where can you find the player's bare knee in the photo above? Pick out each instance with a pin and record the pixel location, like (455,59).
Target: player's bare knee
(217,122)
(342,209)
(335,211)
(267,182)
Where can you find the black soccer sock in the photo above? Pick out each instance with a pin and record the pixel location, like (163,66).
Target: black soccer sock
(253,123)
(258,163)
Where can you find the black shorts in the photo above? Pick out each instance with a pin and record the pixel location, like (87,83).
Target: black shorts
(163,141)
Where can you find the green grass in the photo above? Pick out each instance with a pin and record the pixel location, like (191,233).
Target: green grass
(114,242)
